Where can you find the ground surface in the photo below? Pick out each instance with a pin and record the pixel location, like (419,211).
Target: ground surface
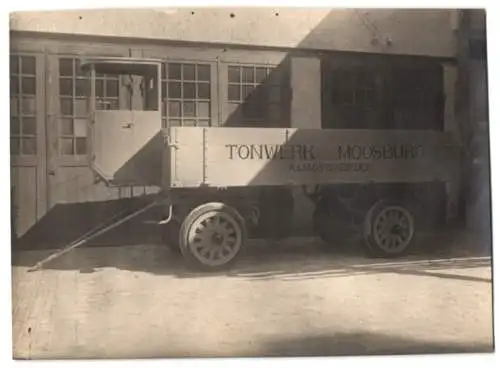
(288,299)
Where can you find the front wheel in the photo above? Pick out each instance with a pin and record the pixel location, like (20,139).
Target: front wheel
(389,229)
(211,236)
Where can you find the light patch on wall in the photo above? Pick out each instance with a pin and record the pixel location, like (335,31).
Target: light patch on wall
(313,28)
(167,11)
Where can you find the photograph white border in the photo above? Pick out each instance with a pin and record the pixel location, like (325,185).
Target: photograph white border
(493,34)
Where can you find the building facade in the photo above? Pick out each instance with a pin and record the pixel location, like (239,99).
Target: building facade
(375,69)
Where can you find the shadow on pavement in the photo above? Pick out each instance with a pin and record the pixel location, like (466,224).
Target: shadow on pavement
(314,345)
(365,343)
(338,344)
(289,260)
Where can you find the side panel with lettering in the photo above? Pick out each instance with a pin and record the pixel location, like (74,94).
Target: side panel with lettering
(257,156)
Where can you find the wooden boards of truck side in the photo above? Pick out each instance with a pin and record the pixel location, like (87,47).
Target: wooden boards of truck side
(228,157)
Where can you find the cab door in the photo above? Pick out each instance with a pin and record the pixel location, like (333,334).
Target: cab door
(112,141)
(126,144)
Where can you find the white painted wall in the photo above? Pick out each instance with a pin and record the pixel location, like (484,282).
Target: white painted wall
(416,32)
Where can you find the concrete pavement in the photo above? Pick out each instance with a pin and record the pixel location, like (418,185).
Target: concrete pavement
(142,302)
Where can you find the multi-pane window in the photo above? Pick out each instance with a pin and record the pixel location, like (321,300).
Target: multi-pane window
(417,100)
(23,105)
(74,91)
(107,92)
(386,97)
(73,99)
(354,96)
(186,94)
(254,95)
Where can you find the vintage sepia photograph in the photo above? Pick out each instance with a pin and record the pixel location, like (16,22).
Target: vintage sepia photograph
(249,182)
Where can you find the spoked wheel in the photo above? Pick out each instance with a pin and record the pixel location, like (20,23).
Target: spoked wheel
(212,236)
(389,229)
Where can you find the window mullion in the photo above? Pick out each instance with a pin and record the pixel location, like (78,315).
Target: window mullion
(23,135)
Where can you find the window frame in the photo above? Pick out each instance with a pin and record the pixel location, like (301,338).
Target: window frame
(167,81)
(56,52)
(283,105)
(187,55)
(39,112)
(60,115)
(385,67)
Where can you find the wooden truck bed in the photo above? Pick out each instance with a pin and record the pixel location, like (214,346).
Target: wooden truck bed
(227,157)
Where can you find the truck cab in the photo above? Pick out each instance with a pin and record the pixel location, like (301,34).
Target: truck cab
(125,135)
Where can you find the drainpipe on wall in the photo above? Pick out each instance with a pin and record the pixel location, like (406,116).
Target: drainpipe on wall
(472,113)
(462,112)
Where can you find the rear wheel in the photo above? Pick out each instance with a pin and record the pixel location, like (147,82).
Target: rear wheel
(212,236)
(389,229)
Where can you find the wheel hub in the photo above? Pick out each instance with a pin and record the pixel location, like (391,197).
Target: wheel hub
(393,229)
(215,238)
(397,230)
